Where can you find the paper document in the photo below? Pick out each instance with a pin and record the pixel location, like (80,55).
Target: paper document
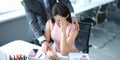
(78,56)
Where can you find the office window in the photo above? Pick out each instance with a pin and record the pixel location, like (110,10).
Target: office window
(7,6)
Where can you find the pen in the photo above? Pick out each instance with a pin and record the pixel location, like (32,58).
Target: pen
(40,55)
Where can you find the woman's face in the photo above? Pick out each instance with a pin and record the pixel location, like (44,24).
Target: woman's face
(58,18)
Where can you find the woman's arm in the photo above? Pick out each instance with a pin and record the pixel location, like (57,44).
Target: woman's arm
(47,31)
(45,44)
(66,43)
(49,53)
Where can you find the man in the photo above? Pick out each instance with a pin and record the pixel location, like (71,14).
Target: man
(37,13)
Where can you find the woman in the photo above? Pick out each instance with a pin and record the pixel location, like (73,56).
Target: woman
(61,30)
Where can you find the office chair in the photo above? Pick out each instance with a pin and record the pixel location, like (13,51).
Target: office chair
(82,40)
(118,4)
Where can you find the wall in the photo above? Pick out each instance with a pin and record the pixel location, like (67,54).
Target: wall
(16,29)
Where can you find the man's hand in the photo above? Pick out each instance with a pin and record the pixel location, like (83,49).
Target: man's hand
(74,21)
(45,46)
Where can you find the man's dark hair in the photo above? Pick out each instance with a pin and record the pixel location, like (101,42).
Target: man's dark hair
(62,10)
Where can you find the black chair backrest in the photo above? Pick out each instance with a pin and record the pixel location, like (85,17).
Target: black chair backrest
(82,40)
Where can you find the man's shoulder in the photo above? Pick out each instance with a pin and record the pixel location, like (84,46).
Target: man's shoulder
(29,0)
(26,0)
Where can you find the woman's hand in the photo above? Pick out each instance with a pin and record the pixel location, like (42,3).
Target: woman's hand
(52,55)
(45,46)
(63,24)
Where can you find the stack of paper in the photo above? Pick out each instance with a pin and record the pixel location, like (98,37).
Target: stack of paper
(78,56)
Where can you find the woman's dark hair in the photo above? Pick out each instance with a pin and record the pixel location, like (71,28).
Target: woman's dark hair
(62,10)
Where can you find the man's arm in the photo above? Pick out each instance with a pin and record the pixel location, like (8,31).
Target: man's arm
(33,22)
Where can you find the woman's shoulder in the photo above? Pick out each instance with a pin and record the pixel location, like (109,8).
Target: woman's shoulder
(49,23)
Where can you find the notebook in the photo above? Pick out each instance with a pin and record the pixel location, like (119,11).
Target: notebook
(78,56)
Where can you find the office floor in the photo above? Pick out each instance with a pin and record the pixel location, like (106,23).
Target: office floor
(105,38)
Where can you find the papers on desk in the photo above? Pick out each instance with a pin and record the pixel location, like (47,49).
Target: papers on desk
(78,56)
(61,57)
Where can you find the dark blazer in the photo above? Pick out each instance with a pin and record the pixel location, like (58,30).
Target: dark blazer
(36,15)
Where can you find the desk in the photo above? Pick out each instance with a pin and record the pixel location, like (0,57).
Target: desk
(24,48)
(80,7)
(18,47)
